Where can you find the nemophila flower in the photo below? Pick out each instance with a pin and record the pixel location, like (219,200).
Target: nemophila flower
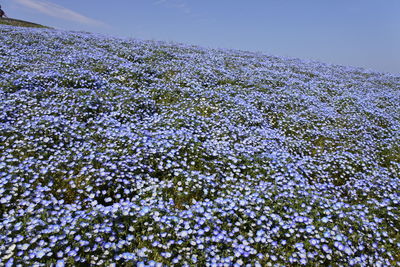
(40,254)
(314,241)
(327,234)
(299,246)
(60,263)
(110,145)
(325,248)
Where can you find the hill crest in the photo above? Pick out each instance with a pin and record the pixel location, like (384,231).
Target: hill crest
(20,23)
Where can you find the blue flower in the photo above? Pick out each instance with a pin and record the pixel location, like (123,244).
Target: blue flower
(205,156)
(60,263)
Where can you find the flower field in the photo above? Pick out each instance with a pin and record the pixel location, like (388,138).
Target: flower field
(145,153)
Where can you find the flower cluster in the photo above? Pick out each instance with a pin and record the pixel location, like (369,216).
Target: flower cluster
(119,151)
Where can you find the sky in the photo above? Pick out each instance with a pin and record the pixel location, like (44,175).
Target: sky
(362,33)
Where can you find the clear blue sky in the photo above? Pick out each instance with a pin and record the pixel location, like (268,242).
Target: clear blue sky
(363,33)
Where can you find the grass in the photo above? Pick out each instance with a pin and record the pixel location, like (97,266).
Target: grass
(20,23)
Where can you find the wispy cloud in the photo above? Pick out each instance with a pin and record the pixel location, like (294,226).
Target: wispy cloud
(60,12)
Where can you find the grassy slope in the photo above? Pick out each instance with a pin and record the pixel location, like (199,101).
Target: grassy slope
(20,23)
(209,155)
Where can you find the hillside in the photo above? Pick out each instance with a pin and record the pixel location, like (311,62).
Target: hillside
(142,152)
(19,23)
